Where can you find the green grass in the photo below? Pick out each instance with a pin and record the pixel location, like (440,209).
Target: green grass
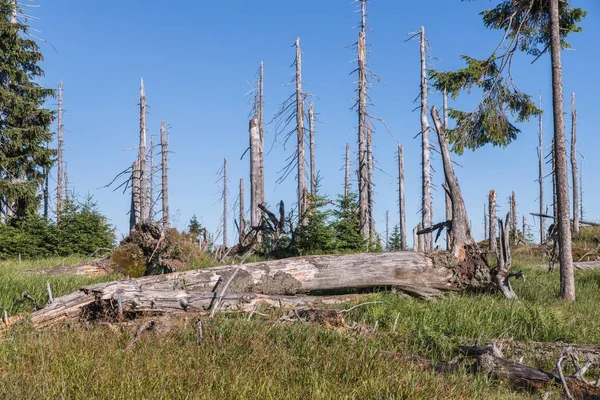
(14,280)
(257,359)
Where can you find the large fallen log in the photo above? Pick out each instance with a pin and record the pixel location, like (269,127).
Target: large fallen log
(271,283)
(580,265)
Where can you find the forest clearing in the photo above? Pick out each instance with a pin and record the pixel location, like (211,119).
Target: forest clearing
(286,289)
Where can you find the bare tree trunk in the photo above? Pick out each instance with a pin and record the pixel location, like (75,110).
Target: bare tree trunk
(513,213)
(164,186)
(574,166)
(311,131)
(242,217)
(134,216)
(541,176)
(347,172)
(567,284)
(225,202)
(421,240)
(402,198)
(143,167)
(581,194)
(485,220)
(415,239)
(66,182)
(426,206)
(554,195)
(300,134)
(448,202)
(46,190)
(363,164)
(387,230)
(256,179)
(461,233)
(524,229)
(370,185)
(151,181)
(59,178)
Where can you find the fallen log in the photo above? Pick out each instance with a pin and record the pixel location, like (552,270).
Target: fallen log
(271,283)
(580,265)
(98,267)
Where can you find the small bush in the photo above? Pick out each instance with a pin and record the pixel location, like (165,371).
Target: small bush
(128,259)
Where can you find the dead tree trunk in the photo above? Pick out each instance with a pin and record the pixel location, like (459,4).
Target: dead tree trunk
(256,178)
(574,166)
(554,196)
(151,181)
(524,229)
(485,220)
(311,132)
(165,182)
(462,241)
(347,172)
(363,164)
(420,240)
(513,220)
(46,189)
(387,230)
(225,202)
(143,167)
(242,223)
(134,212)
(426,206)
(504,261)
(66,183)
(567,284)
(401,198)
(300,134)
(541,176)
(370,185)
(448,202)
(59,177)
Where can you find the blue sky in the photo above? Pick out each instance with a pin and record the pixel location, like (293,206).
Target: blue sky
(198,58)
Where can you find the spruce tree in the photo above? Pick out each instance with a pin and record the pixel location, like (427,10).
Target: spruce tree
(347,225)
(24,122)
(395,241)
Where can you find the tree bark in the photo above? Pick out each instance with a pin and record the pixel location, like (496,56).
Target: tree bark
(426,206)
(151,168)
(492,224)
(370,194)
(567,284)
(143,167)
(513,218)
(401,199)
(59,177)
(485,221)
(134,212)
(300,135)
(574,168)
(387,230)
(165,183)
(541,176)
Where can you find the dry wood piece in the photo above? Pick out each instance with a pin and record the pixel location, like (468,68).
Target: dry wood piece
(426,205)
(146,326)
(98,267)
(29,297)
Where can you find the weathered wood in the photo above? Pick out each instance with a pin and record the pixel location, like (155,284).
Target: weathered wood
(513,218)
(541,175)
(98,267)
(300,135)
(461,232)
(447,200)
(426,204)
(574,168)
(401,199)
(580,265)
(504,261)
(165,182)
(256,189)
(363,168)
(59,174)
(135,211)
(143,166)
(347,172)
(370,194)
(242,218)
(225,193)
(312,147)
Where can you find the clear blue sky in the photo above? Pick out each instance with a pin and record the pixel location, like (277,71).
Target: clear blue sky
(199,57)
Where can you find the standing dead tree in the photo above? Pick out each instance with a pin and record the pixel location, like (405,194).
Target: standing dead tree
(448,202)
(257,189)
(387,230)
(151,202)
(574,166)
(541,175)
(505,262)
(363,164)
(312,148)
(370,185)
(347,172)
(401,198)
(426,204)
(224,197)
(485,220)
(300,135)
(513,219)
(242,218)
(143,167)
(165,183)
(59,177)
(135,211)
